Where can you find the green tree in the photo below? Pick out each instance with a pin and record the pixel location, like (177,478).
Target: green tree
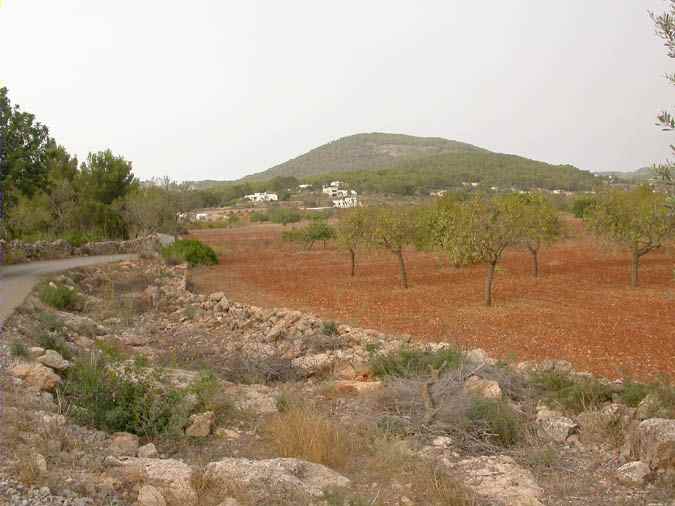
(539,224)
(479,230)
(393,228)
(24,144)
(318,231)
(636,219)
(105,177)
(150,209)
(352,232)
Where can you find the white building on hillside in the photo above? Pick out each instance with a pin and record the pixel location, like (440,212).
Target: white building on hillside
(262,197)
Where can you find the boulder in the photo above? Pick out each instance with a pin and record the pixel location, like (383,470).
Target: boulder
(633,473)
(124,444)
(172,478)
(147,451)
(500,480)
(36,375)
(656,443)
(36,351)
(651,407)
(357,387)
(200,424)
(479,387)
(265,479)
(150,496)
(479,356)
(553,425)
(136,340)
(54,360)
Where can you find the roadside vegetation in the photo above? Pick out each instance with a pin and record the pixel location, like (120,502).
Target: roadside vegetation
(189,251)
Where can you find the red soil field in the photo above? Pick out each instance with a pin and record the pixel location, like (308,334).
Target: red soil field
(581,308)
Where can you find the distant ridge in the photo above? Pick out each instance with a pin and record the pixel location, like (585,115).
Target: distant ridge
(365,151)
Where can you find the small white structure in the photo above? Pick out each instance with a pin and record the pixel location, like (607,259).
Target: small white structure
(304,186)
(439,193)
(201,216)
(262,197)
(333,190)
(347,202)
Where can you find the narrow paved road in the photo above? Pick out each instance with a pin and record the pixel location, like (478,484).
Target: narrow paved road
(16,281)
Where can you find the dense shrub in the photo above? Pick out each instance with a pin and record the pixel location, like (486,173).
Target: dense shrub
(60,296)
(407,362)
(77,239)
(259,217)
(191,251)
(56,343)
(571,394)
(119,398)
(284,215)
(495,422)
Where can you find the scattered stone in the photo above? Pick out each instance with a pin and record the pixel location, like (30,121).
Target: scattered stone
(124,444)
(201,424)
(656,443)
(479,387)
(479,356)
(501,480)
(39,462)
(225,433)
(442,442)
(147,451)
(633,473)
(265,478)
(553,425)
(36,375)
(150,496)
(136,340)
(53,359)
(36,351)
(357,387)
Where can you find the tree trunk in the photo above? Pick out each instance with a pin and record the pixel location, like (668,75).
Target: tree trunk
(488,283)
(535,261)
(404,274)
(353,255)
(635,269)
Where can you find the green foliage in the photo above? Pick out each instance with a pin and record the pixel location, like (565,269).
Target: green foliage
(329,328)
(311,233)
(409,362)
(495,421)
(191,251)
(284,215)
(60,296)
(19,349)
(56,343)
(76,238)
(105,177)
(122,398)
(582,205)
(633,393)
(571,394)
(259,217)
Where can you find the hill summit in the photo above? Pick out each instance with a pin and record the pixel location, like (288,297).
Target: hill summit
(365,151)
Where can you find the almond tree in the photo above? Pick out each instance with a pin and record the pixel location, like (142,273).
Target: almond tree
(352,232)
(638,220)
(393,228)
(479,230)
(539,224)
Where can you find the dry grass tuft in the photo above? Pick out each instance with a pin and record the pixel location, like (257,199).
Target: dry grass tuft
(303,432)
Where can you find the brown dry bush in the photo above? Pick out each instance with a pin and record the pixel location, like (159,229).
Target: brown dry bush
(305,433)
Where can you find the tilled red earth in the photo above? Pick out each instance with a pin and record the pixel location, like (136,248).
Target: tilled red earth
(581,308)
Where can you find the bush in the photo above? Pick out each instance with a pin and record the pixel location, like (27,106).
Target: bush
(259,217)
(284,215)
(118,398)
(408,363)
(77,239)
(191,251)
(582,205)
(571,394)
(495,422)
(329,328)
(19,350)
(56,343)
(60,296)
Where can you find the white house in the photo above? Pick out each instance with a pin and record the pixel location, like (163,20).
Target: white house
(201,216)
(347,202)
(304,186)
(262,197)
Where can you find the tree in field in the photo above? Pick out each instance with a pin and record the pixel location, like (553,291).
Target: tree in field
(318,231)
(24,143)
(479,230)
(539,225)
(105,177)
(638,220)
(393,228)
(150,209)
(665,29)
(352,232)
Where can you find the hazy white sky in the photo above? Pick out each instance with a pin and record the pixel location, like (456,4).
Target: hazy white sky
(221,88)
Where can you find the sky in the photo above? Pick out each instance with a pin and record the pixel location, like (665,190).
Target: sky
(217,89)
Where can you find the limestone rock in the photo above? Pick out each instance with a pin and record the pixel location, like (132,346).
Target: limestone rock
(172,478)
(147,451)
(358,387)
(633,473)
(54,360)
(656,443)
(479,387)
(479,356)
(200,424)
(136,340)
(500,480)
(265,478)
(36,351)
(36,375)
(150,496)
(124,444)
(553,425)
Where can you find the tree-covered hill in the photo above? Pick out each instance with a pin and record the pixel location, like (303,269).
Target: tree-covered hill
(368,151)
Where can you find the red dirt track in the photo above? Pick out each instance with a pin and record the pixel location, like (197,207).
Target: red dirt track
(580,308)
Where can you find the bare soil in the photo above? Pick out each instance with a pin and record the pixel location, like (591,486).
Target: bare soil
(581,307)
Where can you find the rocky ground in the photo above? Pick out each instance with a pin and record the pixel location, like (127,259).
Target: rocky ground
(227,403)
